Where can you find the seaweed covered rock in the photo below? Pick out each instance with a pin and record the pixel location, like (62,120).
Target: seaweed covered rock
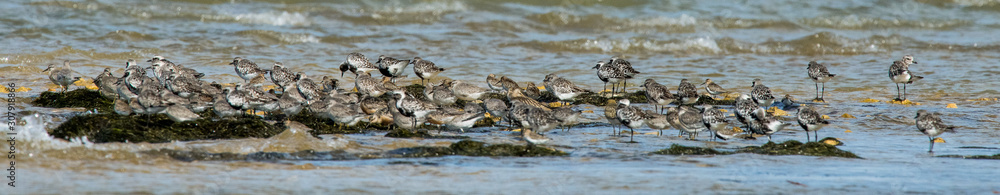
(76,98)
(421,133)
(157,128)
(475,148)
(321,126)
(991,157)
(790,147)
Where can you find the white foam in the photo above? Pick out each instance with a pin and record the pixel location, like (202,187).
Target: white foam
(683,20)
(33,133)
(277,19)
(702,44)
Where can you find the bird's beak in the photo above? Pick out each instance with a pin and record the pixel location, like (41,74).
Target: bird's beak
(149,60)
(915,62)
(47,69)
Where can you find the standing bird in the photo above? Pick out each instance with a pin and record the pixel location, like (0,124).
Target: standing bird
(899,72)
(625,68)
(655,120)
(562,88)
(307,87)
(424,69)
(496,108)
(608,73)
(658,94)
(566,116)
(61,76)
(688,120)
(746,109)
(819,74)
(494,82)
(515,95)
(391,67)
(532,91)
(508,84)
(357,62)
(762,124)
(761,94)
(630,116)
(713,119)
(810,120)
(410,106)
(932,126)
(687,92)
(246,69)
(369,86)
(611,114)
(713,88)
(281,76)
(106,83)
(533,138)
(467,91)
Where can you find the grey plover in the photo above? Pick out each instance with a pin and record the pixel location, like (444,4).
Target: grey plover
(467,91)
(899,72)
(608,73)
(369,86)
(518,114)
(183,86)
(762,124)
(687,92)
(713,119)
(179,113)
(532,91)
(424,69)
(412,107)
(106,83)
(566,116)
(246,69)
(235,99)
(931,125)
(625,68)
(134,75)
(281,76)
(357,62)
(819,74)
(61,75)
(170,67)
(533,138)
(540,121)
(658,94)
(329,84)
(391,67)
(123,90)
(746,108)
(307,87)
(494,82)
(630,116)
(810,120)
(562,88)
(761,94)
(788,103)
(398,118)
(689,119)
(515,95)
(713,88)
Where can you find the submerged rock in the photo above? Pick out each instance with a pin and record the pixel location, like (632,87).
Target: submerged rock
(157,128)
(76,98)
(475,148)
(992,157)
(421,133)
(464,148)
(790,147)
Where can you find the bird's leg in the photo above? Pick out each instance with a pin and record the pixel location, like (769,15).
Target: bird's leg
(931,150)
(807,136)
(823,93)
(817,91)
(815,135)
(631,135)
(904,91)
(897,91)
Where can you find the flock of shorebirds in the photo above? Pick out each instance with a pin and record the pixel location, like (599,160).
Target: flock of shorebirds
(180,93)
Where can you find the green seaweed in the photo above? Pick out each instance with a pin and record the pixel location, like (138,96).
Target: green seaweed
(157,128)
(790,147)
(76,98)
(475,148)
(421,133)
(990,157)
(321,126)
(464,148)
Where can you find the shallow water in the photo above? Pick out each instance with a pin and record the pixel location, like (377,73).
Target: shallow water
(731,43)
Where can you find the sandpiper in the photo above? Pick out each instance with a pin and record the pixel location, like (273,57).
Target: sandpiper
(357,62)
(533,138)
(532,91)
(655,120)
(496,107)
(819,74)
(689,119)
(124,93)
(347,114)
(442,94)
(713,88)
(629,116)
(515,95)
(62,76)
(788,103)
(291,100)
(566,116)
(183,86)
(369,86)
(424,69)
(658,94)
(761,94)
(611,114)
(810,120)
(464,121)
(329,84)
(281,76)
(541,121)
(467,91)
(308,88)
(562,88)
(179,113)
(932,126)
(494,82)
(122,107)
(246,69)
(508,84)
(728,133)
(391,67)
(899,72)
(687,92)
(608,73)
(713,119)
(106,83)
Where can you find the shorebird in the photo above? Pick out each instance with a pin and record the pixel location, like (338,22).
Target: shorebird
(713,119)
(62,76)
(171,68)
(713,88)
(899,72)
(246,69)
(761,94)
(346,114)
(819,74)
(424,69)
(533,138)
(931,125)
(532,91)
(788,103)
(518,114)
(629,116)
(746,109)
(567,117)
(412,107)
(562,88)
(370,105)
(123,91)
(687,92)
(657,121)
(467,91)
(810,120)
(281,76)
(464,120)
(134,75)
(625,68)
(329,84)
(442,94)
(369,86)
(515,95)
(400,120)
(291,100)
(608,73)
(122,107)
(183,86)
(508,84)
(496,107)
(494,82)
(611,114)
(539,120)
(179,113)
(136,107)
(765,125)
(106,83)
(689,119)
(357,62)
(307,87)
(391,67)
(727,133)
(658,94)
